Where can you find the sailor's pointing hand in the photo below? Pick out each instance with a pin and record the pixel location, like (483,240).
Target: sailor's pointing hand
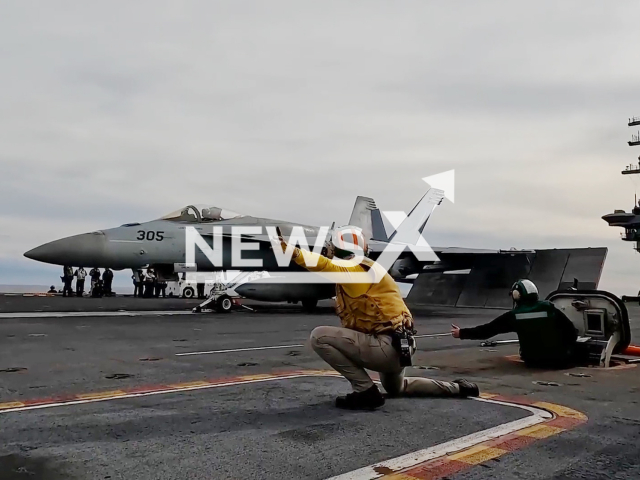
(455,331)
(283,244)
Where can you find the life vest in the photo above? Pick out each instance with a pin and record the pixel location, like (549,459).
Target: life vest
(545,334)
(380,310)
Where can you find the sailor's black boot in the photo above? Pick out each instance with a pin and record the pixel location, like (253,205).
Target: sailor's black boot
(467,389)
(370,399)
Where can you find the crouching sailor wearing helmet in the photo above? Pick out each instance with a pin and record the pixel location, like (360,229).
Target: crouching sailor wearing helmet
(547,337)
(377,327)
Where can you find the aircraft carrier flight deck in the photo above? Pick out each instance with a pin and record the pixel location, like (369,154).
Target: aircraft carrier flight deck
(122,388)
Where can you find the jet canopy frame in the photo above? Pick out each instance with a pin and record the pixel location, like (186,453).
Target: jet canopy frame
(200,213)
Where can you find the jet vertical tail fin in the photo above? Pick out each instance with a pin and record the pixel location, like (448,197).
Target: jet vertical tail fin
(412,227)
(379,230)
(361,215)
(366,215)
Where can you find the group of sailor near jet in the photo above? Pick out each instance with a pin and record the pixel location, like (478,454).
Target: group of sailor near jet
(148,284)
(100,283)
(377,331)
(145,284)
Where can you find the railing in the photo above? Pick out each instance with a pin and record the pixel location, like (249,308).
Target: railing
(634,120)
(635,138)
(630,235)
(629,169)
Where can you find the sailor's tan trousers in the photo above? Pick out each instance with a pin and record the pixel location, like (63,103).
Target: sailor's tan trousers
(350,352)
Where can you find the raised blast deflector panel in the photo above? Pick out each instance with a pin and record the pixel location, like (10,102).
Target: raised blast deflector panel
(547,270)
(514,268)
(436,289)
(487,284)
(491,276)
(585,265)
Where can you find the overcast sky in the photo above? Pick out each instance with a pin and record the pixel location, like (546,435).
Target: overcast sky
(114,112)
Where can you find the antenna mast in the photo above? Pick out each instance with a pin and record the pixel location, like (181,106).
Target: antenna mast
(635,141)
(630,222)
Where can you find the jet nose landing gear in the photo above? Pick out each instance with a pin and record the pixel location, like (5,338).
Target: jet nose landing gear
(224,304)
(222,297)
(218,302)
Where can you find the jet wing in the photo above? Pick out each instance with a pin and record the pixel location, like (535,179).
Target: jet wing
(376,248)
(466,257)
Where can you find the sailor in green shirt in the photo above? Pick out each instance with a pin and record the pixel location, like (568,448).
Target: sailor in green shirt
(547,337)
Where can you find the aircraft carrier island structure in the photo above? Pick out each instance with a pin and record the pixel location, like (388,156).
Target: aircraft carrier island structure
(630,221)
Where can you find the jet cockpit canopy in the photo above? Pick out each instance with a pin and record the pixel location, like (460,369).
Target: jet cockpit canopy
(200,214)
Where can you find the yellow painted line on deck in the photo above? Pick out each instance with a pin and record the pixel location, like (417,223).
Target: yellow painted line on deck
(189,385)
(93,396)
(400,476)
(477,455)
(540,431)
(561,411)
(488,395)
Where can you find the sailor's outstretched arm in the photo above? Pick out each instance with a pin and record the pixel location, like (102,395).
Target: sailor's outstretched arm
(315,262)
(502,324)
(354,278)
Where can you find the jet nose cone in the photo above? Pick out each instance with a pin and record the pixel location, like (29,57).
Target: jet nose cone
(79,250)
(39,254)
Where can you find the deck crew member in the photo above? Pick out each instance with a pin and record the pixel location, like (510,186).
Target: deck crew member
(67,279)
(137,282)
(374,318)
(94,274)
(547,337)
(107,280)
(80,274)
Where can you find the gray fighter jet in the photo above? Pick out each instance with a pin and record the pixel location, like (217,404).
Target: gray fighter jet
(161,244)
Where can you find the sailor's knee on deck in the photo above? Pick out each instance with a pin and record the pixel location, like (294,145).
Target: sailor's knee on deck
(393,384)
(317,335)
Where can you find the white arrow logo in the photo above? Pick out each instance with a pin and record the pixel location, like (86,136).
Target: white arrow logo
(444,181)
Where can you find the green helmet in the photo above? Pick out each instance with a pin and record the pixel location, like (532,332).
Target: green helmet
(524,291)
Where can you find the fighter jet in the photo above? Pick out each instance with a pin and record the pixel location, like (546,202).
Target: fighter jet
(161,244)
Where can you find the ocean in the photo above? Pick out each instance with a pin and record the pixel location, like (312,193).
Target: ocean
(45,288)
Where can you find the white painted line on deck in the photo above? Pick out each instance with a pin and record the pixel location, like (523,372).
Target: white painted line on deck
(233,350)
(237,350)
(409,460)
(92,314)
(432,335)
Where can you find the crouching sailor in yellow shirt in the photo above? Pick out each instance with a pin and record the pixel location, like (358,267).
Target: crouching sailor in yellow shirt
(372,314)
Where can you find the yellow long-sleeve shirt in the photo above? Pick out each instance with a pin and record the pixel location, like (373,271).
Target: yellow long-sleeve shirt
(373,306)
